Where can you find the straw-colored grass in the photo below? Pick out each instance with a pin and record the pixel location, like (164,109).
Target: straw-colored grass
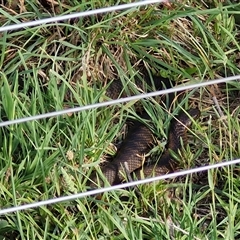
(61,65)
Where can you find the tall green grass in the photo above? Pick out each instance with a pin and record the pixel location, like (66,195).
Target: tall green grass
(48,68)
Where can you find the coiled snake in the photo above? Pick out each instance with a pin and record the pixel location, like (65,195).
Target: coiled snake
(139,139)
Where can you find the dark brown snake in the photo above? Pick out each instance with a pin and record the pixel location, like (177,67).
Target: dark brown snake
(138,141)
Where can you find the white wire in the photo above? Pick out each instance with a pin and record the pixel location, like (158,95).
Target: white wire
(117,101)
(78,15)
(120,186)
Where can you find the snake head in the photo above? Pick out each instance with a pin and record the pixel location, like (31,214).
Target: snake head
(178,128)
(192,113)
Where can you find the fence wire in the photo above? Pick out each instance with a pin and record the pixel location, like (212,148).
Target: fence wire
(77,15)
(118,101)
(104,104)
(116,187)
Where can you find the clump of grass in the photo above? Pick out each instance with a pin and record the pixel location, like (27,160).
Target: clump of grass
(48,68)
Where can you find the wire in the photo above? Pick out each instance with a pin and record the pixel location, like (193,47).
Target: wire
(120,186)
(77,15)
(117,101)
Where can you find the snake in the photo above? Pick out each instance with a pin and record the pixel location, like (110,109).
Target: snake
(139,139)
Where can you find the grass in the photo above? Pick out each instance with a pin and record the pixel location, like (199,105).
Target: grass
(48,68)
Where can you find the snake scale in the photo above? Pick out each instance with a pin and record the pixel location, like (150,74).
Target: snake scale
(140,137)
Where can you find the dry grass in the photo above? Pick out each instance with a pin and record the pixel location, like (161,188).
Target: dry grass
(41,67)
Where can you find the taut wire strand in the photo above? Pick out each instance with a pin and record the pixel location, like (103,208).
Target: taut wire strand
(117,101)
(77,15)
(120,186)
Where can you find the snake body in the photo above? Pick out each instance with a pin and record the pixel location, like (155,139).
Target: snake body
(139,140)
(131,151)
(177,131)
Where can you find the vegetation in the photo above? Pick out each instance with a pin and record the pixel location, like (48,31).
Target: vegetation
(67,64)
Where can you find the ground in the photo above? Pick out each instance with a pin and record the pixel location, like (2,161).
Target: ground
(69,64)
